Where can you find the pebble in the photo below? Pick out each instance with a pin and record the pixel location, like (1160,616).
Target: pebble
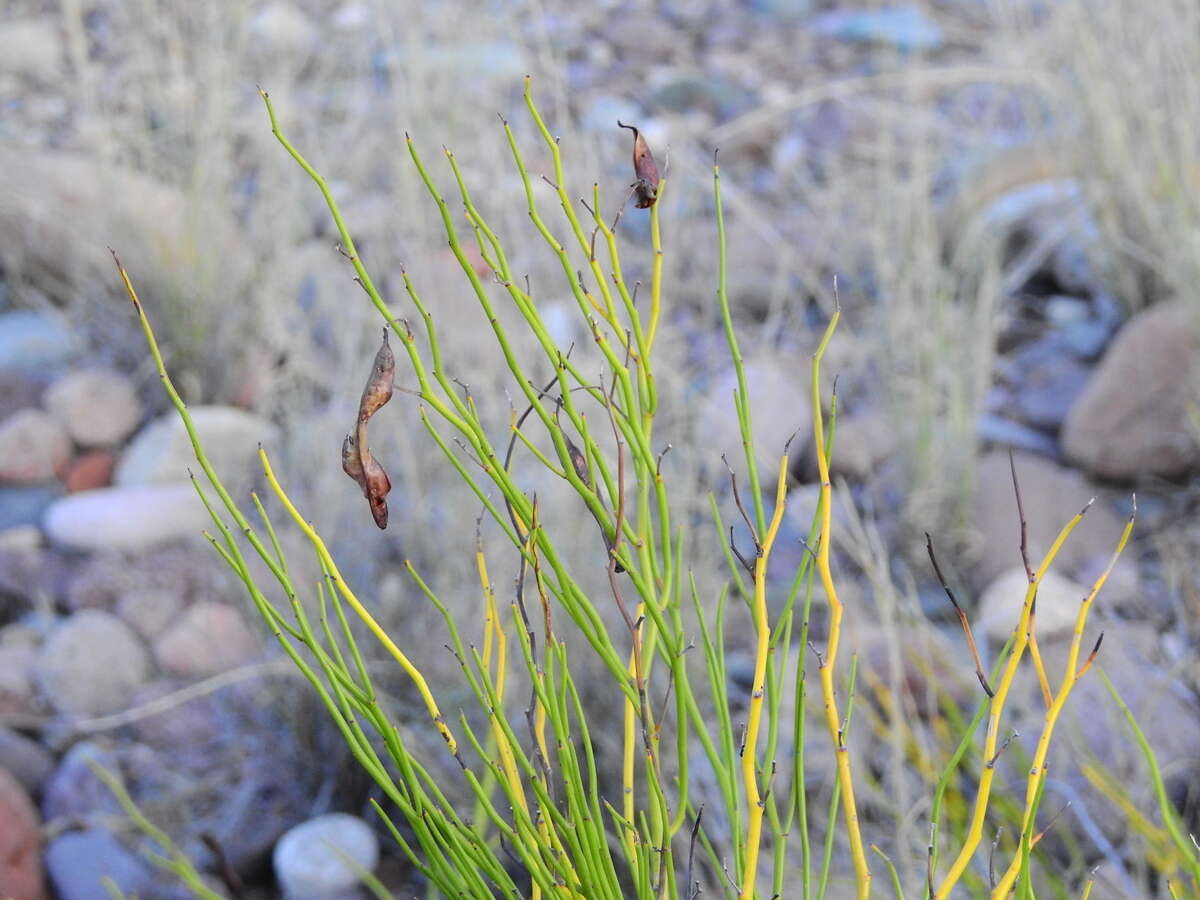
(16,684)
(149,610)
(28,761)
(91,664)
(33,447)
(207,639)
(33,342)
(73,791)
(131,518)
(162,451)
(79,861)
(309,867)
(21,507)
(20,843)
(99,407)
(90,471)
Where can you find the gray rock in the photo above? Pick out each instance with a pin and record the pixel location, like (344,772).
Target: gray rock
(1048,391)
(28,761)
(79,861)
(73,790)
(906,28)
(162,452)
(1057,605)
(779,408)
(130,518)
(34,447)
(995,429)
(31,341)
(208,638)
(26,505)
(149,611)
(16,684)
(309,859)
(98,407)
(282,27)
(1135,416)
(91,664)
(1050,494)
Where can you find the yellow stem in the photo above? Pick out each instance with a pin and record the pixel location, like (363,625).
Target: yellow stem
(361,611)
(983,793)
(755,803)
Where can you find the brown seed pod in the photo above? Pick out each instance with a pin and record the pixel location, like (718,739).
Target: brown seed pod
(578,462)
(357,460)
(379,386)
(645,189)
(352,463)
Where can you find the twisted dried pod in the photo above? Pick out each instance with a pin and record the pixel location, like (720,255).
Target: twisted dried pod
(645,189)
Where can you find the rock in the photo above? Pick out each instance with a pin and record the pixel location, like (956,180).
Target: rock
(27,760)
(995,429)
(779,408)
(79,861)
(91,664)
(33,447)
(21,506)
(73,791)
(18,390)
(151,610)
(16,685)
(1047,391)
(1050,495)
(90,471)
(20,843)
(162,452)
(603,111)
(281,27)
(1057,605)
(130,518)
(713,92)
(31,49)
(1133,419)
(105,579)
(98,407)
(208,638)
(310,860)
(32,341)
(861,443)
(906,28)
(19,538)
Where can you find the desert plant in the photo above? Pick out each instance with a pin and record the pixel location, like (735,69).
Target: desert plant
(547,818)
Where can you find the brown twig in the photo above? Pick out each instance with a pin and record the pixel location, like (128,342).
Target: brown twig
(962,618)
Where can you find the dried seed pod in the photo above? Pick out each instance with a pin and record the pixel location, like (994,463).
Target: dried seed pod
(578,462)
(357,460)
(645,189)
(352,463)
(376,486)
(379,386)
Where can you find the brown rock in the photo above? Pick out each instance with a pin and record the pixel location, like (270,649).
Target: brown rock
(1051,494)
(1133,419)
(207,639)
(20,843)
(98,407)
(91,470)
(33,447)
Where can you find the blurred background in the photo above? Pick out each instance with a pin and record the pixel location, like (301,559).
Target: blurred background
(1005,190)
